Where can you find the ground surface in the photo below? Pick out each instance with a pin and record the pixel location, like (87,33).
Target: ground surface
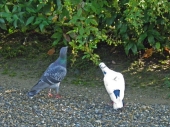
(85,101)
(24,73)
(147,80)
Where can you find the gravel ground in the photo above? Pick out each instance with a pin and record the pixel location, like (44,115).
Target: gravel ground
(78,107)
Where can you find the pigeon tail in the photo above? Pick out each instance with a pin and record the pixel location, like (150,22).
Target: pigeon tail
(118,104)
(37,88)
(32,93)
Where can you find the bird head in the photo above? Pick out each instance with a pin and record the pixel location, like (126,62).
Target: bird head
(103,67)
(63,52)
(118,105)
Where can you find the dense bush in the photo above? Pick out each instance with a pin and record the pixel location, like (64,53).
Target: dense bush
(83,24)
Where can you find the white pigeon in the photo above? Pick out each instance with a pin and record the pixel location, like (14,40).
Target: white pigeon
(115,85)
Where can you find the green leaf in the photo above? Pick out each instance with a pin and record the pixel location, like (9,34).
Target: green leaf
(155,32)
(2,20)
(3,26)
(125,36)
(55,42)
(30,20)
(38,21)
(134,49)
(93,21)
(14,8)
(30,10)
(58,29)
(157,45)
(151,39)
(81,30)
(15,23)
(72,34)
(110,20)
(47,8)
(126,50)
(79,12)
(142,37)
(85,56)
(56,35)
(59,5)
(140,46)
(129,45)
(40,6)
(5,14)
(21,20)
(87,30)
(87,21)
(57,39)
(9,19)
(41,26)
(75,2)
(91,16)
(45,23)
(94,29)
(15,17)
(82,18)
(71,31)
(7,9)
(123,29)
(93,8)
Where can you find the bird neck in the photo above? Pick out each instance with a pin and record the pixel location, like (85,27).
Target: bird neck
(105,70)
(62,61)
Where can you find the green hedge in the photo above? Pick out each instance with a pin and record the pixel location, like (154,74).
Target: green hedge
(82,25)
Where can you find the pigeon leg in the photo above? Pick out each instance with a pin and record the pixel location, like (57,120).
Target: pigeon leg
(50,94)
(57,90)
(111,103)
(58,96)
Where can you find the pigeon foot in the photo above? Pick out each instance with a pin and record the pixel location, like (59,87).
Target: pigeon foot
(58,96)
(50,95)
(111,103)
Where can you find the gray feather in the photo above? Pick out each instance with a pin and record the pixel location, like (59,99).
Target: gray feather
(53,75)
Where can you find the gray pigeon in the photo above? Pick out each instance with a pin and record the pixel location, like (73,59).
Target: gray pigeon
(52,77)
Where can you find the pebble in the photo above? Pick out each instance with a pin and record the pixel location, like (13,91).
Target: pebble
(78,111)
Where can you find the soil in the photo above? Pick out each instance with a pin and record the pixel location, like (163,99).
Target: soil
(22,73)
(147,80)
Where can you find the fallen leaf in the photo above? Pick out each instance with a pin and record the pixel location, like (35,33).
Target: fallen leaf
(113,49)
(73,35)
(113,62)
(10,91)
(167,49)
(67,37)
(148,53)
(51,51)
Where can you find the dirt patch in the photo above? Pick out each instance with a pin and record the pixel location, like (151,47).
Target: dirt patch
(21,74)
(147,80)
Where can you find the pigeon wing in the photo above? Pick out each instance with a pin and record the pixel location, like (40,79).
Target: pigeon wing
(120,83)
(114,82)
(54,74)
(110,87)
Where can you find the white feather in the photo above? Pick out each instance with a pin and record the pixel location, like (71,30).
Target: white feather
(113,81)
